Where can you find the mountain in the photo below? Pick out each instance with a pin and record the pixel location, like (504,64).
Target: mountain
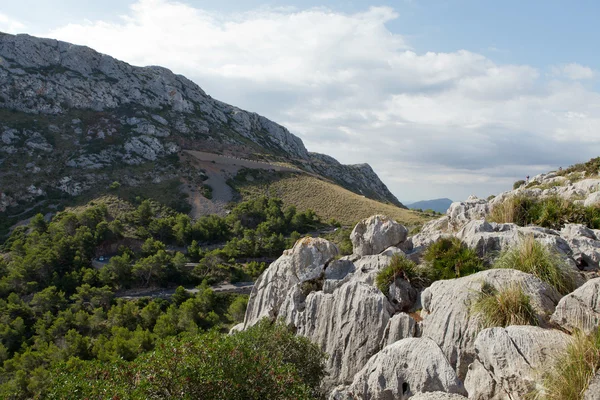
(75,123)
(439,205)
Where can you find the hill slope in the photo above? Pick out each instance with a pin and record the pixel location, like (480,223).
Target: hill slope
(73,121)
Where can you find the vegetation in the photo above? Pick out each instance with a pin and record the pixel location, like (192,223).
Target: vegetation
(399,267)
(450,258)
(264,362)
(327,199)
(572,372)
(518,184)
(59,303)
(534,258)
(503,307)
(549,212)
(589,168)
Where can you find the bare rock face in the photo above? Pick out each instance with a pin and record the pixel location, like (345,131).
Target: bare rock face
(347,324)
(509,361)
(403,369)
(304,262)
(584,244)
(400,326)
(580,309)
(460,213)
(375,234)
(593,390)
(447,319)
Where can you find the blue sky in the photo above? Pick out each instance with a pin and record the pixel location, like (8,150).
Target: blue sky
(442,98)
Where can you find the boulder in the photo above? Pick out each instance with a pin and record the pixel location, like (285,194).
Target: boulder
(460,213)
(402,295)
(347,324)
(305,261)
(375,234)
(509,361)
(447,319)
(584,245)
(400,326)
(403,369)
(593,390)
(580,309)
(592,200)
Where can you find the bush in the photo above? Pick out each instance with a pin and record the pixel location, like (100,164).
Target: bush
(399,267)
(549,212)
(506,306)
(534,258)
(450,258)
(518,184)
(265,362)
(573,370)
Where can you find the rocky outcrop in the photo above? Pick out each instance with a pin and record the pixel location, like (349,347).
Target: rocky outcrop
(509,361)
(437,396)
(593,390)
(403,369)
(447,319)
(584,245)
(304,262)
(375,234)
(580,309)
(400,326)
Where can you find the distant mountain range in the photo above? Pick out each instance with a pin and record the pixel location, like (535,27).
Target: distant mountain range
(439,205)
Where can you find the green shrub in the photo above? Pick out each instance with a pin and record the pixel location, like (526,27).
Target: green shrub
(534,258)
(549,212)
(399,267)
(503,307)
(518,184)
(265,362)
(591,168)
(450,258)
(573,370)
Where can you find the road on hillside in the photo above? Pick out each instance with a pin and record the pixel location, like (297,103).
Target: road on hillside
(238,287)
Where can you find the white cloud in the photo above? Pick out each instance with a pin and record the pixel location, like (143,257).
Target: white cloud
(431,124)
(9,25)
(573,71)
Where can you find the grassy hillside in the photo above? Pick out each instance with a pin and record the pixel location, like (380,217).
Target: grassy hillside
(326,199)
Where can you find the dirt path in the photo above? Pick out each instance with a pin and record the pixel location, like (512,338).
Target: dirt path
(219,169)
(238,287)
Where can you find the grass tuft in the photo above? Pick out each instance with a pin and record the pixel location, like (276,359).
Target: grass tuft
(503,307)
(534,258)
(399,267)
(573,371)
(449,258)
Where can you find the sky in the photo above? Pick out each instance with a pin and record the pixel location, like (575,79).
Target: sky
(442,98)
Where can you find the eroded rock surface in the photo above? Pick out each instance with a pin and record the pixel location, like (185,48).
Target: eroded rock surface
(580,309)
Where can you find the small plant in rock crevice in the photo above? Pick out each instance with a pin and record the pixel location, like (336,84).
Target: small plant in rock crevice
(503,307)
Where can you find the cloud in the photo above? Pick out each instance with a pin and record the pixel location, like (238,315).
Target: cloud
(573,71)
(9,25)
(431,124)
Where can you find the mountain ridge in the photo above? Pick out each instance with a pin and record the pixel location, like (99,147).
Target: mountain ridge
(71,117)
(438,205)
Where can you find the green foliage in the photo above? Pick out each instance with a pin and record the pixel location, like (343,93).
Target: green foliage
(399,267)
(114,186)
(449,258)
(534,258)
(548,212)
(573,370)
(237,309)
(590,168)
(264,362)
(518,184)
(502,307)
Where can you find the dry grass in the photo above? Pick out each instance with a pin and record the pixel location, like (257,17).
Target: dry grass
(504,213)
(572,372)
(327,200)
(534,258)
(503,307)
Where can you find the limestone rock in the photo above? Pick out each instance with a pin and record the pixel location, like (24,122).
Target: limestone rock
(580,309)
(584,244)
(347,324)
(593,390)
(447,319)
(400,326)
(511,359)
(460,213)
(375,234)
(402,295)
(305,261)
(592,200)
(437,396)
(403,369)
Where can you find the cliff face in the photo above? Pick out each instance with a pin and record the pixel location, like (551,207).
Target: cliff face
(70,115)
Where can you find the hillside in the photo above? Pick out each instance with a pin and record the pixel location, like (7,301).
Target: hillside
(75,123)
(437,205)
(309,192)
